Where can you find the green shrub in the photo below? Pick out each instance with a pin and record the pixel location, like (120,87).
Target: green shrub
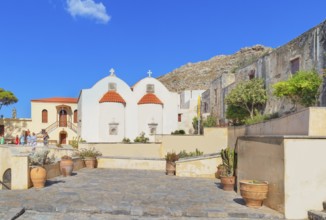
(195,125)
(141,138)
(89,152)
(178,132)
(210,121)
(302,87)
(126,140)
(196,153)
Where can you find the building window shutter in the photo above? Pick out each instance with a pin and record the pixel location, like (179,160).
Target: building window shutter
(44,116)
(75,116)
(179,117)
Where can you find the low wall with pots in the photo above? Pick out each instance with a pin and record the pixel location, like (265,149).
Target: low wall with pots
(134,150)
(294,166)
(53,170)
(308,121)
(203,166)
(131,163)
(213,140)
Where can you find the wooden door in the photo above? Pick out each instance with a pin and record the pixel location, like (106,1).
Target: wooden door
(63,118)
(63,138)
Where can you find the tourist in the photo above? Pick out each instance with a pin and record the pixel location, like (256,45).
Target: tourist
(22,139)
(17,140)
(45,138)
(33,139)
(2,140)
(28,140)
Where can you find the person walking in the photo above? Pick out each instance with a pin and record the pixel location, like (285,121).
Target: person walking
(2,140)
(17,140)
(22,139)
(46,139)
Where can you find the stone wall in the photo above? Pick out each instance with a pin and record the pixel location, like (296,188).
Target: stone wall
(309,48)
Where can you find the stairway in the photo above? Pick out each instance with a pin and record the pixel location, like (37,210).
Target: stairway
(318,215)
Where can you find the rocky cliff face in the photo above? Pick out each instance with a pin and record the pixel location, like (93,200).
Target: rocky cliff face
(193,76)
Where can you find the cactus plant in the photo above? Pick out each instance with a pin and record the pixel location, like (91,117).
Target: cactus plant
(228,160)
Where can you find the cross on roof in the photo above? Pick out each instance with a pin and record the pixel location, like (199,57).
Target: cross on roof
(149,73)
(112,72)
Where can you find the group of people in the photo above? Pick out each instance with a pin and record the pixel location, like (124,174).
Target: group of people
(26,138)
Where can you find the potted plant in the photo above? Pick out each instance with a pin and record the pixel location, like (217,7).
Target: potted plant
(89,156)
(170,159)
(220,170)
(254,192)
(66,165)
(227,176)
(38,173)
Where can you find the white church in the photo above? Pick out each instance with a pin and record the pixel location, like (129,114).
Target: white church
(111,111)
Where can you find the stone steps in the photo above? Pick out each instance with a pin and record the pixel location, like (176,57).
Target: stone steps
(318,215)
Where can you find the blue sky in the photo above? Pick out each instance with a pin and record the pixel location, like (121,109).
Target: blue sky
(55,48)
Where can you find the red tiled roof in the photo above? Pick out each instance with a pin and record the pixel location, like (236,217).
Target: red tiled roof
(150,98)
(57,99)
(112,96)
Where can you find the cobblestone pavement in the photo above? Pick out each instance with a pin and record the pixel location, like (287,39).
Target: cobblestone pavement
(128,194)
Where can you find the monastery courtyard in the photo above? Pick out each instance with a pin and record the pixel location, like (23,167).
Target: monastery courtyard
(127,194)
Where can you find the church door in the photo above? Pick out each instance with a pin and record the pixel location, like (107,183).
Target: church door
(63,118)
(63,138)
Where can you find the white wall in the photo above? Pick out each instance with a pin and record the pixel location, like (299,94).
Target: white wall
(150,113)
(111,112)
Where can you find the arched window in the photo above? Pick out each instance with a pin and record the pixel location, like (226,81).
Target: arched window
(44,116)
(75,116)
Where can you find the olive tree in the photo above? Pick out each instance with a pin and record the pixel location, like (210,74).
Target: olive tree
(248,96)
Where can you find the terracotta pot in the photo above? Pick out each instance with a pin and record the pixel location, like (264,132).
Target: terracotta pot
(38,177)
(90,162)
(170,168)
(228,182)
(219,172)
(66,167)
(253,192)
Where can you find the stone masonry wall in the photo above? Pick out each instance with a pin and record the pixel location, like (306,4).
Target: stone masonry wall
(309,48)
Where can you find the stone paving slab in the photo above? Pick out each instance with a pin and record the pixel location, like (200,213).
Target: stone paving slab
(132,194)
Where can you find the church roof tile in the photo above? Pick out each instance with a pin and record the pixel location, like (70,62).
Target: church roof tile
(150,98)
(112,96)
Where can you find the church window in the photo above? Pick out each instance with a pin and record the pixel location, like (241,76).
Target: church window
(152,127)
(179,117)
(75,116)
(44,116)
(150,88)
(153,130)
(295,65)
(112,86)
(113,128)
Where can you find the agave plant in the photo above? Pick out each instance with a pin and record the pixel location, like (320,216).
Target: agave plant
(228,160)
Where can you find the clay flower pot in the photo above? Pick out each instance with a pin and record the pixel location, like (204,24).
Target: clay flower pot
(90,162)
(253,192)
(170,168)
(66,166)
(228,182)
(38,177)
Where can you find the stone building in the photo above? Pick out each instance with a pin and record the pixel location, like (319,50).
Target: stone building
(57,116)
(306,52)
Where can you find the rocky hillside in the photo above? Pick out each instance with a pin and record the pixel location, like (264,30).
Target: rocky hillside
(194,76)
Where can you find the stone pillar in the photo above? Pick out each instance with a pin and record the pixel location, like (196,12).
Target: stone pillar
(19,172)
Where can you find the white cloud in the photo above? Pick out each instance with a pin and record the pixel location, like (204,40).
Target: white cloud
(88,8)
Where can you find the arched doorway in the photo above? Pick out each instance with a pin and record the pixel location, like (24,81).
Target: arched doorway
(63,118)
(6,179)
(63,137)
